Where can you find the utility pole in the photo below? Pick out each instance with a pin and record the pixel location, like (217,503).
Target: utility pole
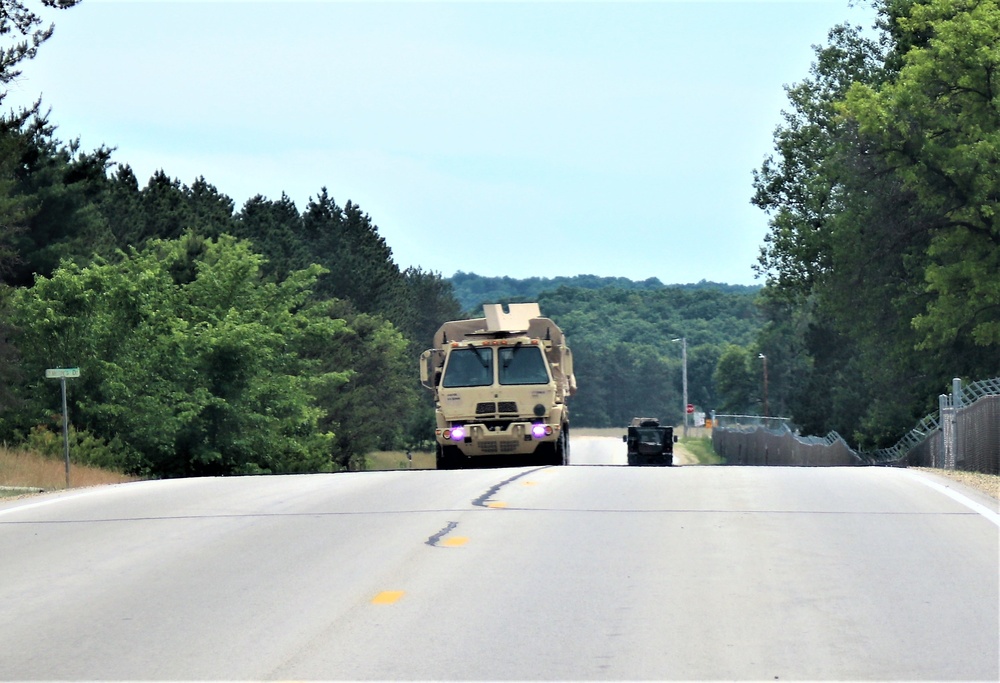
(684,378)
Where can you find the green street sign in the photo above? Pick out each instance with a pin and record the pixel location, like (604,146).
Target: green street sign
(58,373)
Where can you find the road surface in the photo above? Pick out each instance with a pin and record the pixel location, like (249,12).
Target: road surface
(557,573)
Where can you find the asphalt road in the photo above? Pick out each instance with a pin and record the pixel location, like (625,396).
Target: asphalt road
(581,572)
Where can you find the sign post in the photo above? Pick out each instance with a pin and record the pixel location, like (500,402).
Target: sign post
(62,374)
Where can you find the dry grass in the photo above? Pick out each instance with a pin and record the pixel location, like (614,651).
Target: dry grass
(23,469)
(396,460)
(987,483)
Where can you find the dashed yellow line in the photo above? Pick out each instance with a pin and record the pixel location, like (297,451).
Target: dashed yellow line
(496,504)
(387,597)
(455,541)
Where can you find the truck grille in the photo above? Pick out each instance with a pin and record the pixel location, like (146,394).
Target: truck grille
(499,446)
(486,408)
(508,407)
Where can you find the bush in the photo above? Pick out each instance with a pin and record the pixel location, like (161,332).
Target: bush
(84,449)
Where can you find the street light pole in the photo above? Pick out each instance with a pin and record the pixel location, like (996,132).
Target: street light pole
(684,378)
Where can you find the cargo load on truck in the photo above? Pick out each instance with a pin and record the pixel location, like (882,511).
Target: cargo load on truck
(649,443)
(501,384)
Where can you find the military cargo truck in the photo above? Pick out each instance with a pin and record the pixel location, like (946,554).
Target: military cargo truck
(500,386)
(649,443)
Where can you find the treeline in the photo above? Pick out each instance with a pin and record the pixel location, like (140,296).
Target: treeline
(472,291)
(210,339)
(626,359)
(883,254)
(214,339)
(628,336)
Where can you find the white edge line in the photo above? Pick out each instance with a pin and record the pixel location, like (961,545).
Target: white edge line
(46,502)
(955,495)
(62,495)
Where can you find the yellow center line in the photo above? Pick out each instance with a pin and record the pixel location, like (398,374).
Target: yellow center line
(529,483)
(455,541)
(496,504)
(387,597)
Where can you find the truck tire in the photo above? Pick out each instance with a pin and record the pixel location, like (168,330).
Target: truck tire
(448,458)
(564,446)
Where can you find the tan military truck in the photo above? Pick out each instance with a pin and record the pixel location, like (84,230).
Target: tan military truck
(500,386)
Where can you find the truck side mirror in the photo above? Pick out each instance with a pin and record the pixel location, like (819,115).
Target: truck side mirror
(624,438)
(675,439)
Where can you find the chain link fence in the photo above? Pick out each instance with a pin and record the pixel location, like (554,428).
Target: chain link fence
(755,440)
(964,434)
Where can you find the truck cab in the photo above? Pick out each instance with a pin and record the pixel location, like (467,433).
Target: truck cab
(500,385)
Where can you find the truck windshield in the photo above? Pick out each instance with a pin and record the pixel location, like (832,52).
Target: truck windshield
(522,365)
(650,437)
(469,368)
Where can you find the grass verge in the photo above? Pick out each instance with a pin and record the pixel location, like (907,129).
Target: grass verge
(397,460)
(23,472)
(701,448)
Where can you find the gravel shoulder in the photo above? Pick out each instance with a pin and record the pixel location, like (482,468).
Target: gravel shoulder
(988,484)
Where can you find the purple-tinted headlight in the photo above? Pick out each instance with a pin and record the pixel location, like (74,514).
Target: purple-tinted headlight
(457,433)
(538,431)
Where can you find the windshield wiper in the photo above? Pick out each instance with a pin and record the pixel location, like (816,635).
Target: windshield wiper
(511,356)
(482,361)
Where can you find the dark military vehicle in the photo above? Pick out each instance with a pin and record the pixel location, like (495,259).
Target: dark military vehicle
(649,443)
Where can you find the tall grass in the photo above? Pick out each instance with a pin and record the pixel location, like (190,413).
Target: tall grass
(701,448)
(397,460)
(22,468)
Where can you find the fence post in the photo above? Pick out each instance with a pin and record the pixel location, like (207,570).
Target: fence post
(957,402)
(947,432)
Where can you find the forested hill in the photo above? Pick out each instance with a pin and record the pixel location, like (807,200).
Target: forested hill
(622,334)
(628,349)
(472,291)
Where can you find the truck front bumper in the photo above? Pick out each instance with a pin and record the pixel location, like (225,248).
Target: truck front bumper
(515,438)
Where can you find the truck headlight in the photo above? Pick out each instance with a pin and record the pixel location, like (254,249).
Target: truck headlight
(457,433)
(540,431)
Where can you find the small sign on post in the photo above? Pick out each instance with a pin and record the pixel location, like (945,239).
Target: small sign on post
(62,374)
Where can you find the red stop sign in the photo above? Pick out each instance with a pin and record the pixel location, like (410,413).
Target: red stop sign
(690,408)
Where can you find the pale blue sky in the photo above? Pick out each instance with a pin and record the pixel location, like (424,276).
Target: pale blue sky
(511,138)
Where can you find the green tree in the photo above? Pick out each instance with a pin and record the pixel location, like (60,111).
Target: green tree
(373,408)
(275,228)
(880,278)
(165,205)
(737,382)
(16,19)
(432,303)
(123,210)
(937,125)
(184,354)
(358,261)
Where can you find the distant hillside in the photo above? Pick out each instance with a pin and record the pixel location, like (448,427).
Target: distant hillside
(626,337)
(472,290)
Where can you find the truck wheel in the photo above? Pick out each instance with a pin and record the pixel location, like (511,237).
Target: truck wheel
(564,446)
(447,458)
